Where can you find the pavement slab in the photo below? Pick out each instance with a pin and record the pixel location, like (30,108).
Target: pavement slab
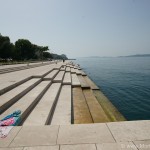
(4,142)
(82,134)
(142,145)
(78,147)
(130,130)
(116,146)
(40,135)
(42,148)
(20,148)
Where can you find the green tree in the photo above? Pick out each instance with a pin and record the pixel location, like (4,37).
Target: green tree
(6,48)
(24,49)
(47,55)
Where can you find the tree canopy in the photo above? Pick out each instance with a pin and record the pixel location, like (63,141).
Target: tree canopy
(23,49)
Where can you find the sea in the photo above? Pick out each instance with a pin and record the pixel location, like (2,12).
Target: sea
(124,80)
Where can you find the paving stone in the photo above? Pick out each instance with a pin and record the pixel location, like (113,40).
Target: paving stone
(75,80)
(80,107)
(62,113)
(130,130)
(59,77)
(6,141)
(41,136)
(12,66)
(82,134)
(42,148)
(116,146)
(67,78)
(20,148)
(44,107)
(78,147)
(97,112)
(51,75)
(91,83)
(142,145)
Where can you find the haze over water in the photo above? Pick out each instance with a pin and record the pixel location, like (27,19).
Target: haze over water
(124,80)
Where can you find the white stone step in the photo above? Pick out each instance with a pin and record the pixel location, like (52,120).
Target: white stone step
(62,113)
(83,73)
(78,72)
(73,70)
(13,95)
(75,80)
(59,77)
(58,66)
(13,79)
(42,112)
(67,78)
(26,66)
(63,68)
(44,71)
(51,75)
(67,69)
(91,83)
(83,82)
(27,102)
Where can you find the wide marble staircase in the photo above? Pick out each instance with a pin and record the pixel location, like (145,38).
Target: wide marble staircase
(54,94)
(62,109)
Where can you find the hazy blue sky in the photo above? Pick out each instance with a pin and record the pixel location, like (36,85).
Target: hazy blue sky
(80,27)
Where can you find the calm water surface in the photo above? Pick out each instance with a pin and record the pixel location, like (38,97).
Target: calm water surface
(124,80)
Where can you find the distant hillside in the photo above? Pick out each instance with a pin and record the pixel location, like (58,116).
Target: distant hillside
(56,56)
(138,55)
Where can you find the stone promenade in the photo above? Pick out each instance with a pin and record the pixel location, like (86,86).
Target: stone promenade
(127,135)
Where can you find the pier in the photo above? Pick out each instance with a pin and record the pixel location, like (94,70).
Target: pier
(62,108)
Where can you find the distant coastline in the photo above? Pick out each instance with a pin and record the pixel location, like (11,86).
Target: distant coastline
(137,55)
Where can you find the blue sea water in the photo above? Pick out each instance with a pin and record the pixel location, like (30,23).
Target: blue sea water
(124,80)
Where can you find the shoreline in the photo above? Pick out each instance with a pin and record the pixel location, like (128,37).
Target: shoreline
(86,103)
(44,129)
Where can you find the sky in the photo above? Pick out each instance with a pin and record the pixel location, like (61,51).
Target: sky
(79,28)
